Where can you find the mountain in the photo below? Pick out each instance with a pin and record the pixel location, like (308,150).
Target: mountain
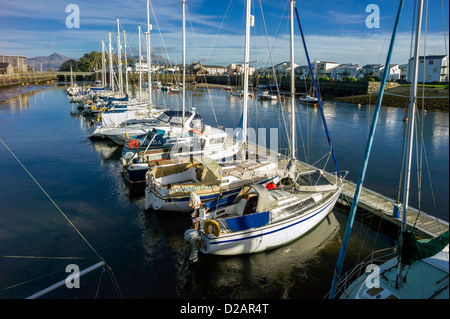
(53,61)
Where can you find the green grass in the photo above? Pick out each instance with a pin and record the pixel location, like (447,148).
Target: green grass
(427,85)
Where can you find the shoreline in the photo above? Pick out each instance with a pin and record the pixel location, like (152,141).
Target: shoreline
(440,103)
(11,92)
(399,100)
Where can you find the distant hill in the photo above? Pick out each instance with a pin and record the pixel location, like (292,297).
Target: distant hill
(53,61)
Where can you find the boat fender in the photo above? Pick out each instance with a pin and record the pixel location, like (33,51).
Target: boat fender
(134,143)
(93,107)
(215,227)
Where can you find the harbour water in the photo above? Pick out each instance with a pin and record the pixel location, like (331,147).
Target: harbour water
(145,249)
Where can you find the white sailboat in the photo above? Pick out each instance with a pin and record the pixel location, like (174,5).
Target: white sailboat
(262,218)
(417,269)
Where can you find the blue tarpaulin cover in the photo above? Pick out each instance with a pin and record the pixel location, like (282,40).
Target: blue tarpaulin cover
(248,221)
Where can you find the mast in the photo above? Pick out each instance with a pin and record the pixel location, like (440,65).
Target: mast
(410,138)
(140,65)
(111,71)
(292,2)
(103,65)
(126,62)
(71,77)
(184,62)
(149,58)
(248,22)
(362,173)
(119,58)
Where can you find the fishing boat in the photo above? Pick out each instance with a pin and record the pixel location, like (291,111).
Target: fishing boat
(265,217)
(415,269)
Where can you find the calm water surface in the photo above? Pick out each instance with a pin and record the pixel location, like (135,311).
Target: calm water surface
(145,250)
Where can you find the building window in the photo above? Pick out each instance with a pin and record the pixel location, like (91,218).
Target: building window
(431,62)
(435,70)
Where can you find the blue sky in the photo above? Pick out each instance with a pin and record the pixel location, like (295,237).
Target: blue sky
(335,30)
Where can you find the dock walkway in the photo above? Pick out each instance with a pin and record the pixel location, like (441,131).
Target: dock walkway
(419,222)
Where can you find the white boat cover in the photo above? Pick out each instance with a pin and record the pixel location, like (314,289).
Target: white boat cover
(111,119)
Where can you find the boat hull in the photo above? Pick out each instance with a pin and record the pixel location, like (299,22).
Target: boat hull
(267,237)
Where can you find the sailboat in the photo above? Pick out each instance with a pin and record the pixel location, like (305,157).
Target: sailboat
(416,269)
(265,217)
(205,140)
(117,126)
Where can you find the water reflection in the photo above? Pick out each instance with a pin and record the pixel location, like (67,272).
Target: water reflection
(277,273)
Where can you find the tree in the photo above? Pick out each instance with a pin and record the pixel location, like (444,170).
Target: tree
(66,65)
(87,63)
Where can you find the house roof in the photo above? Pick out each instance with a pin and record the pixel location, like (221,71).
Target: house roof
(373,66)
(428,57)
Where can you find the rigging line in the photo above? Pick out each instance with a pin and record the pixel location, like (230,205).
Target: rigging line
(420,158)
(220,28)
(273,68)
(59,209)
(42,257)
(443,23)
(211,104)
(318,96)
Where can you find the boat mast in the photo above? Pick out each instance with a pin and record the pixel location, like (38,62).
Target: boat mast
(140,65)
(410,138)
(362,173)
(292,2)
(71,76)
(126,62)
(248,23)
(103,65)
(149,58)
(119,59)
(111,71)
(184,63)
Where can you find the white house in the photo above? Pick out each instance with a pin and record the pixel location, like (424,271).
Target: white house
(323,68)
(373,71)
(435,66)
(347,70)
(395,72)
(284,68)
(215,69)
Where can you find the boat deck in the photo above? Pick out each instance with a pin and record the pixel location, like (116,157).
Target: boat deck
(421,223)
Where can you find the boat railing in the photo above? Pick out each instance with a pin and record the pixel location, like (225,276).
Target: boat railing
(377,257)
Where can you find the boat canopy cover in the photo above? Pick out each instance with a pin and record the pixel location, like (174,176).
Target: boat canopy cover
(211,171)
(264,203)
(117,118)
(414,250)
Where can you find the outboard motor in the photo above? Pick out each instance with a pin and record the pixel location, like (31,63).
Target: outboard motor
(192,237)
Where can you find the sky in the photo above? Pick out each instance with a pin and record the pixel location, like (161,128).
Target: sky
(335,30)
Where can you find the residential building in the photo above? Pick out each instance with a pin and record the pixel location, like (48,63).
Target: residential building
(284,68)
(18,62)
(6,68)
(374,71)
(347,70)
(434,66)
(215,69)
(395,72)
(323,68)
